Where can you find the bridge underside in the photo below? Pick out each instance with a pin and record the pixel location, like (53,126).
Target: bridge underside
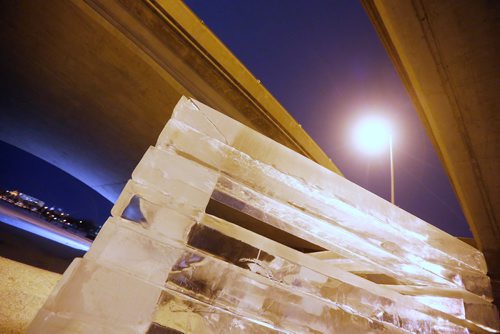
(447,55)
(88,85)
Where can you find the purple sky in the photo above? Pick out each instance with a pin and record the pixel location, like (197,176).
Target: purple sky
(323,61)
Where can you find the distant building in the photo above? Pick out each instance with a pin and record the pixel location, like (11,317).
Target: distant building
(31,201)
(52,215)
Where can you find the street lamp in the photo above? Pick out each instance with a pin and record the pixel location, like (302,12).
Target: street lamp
(372,136)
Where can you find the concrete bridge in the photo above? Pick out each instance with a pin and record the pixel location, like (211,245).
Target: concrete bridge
(88,85)
(446,52)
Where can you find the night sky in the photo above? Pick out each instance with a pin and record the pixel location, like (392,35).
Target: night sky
(24,172)
(323,61)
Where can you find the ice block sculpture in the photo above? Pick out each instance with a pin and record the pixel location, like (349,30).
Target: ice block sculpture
(222,230)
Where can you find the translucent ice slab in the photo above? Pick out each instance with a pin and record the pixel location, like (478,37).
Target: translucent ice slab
(181,253)
(94,299)
(411,257)
(264,150)
(224,240)
(455,301)
(288,297)
(177,313)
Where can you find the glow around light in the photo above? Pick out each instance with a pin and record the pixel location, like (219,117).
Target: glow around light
(372,135)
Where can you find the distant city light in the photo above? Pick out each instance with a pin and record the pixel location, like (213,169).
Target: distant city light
(54,224)
(46,233)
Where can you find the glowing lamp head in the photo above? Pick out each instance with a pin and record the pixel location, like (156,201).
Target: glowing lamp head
(372,135)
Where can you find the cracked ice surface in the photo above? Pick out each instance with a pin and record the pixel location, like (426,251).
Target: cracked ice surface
(331,213)
(162,264)
(222,239)
(260,148)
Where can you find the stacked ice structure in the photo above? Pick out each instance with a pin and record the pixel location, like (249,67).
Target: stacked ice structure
(180,253)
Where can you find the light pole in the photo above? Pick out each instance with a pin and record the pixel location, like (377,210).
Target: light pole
(373,135)
(392,168)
